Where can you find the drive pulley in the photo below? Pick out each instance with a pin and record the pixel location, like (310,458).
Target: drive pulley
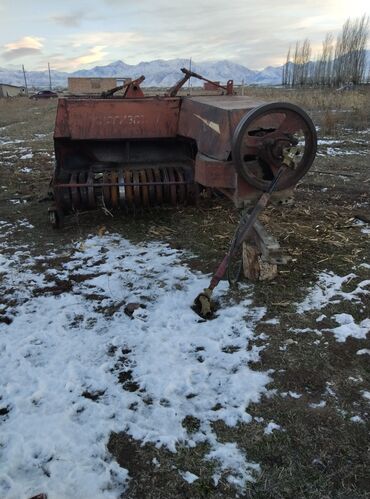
(263,139)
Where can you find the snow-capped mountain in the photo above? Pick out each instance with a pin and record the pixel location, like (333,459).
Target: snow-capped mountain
(39,79)
(158,73)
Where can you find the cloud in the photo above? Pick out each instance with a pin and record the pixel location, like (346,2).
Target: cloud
(92,55)
(68,20)
(95,54)
(119,39)
(31,42)
(240,32)
(26,46)
(255,35)
(75,18)
(21,52)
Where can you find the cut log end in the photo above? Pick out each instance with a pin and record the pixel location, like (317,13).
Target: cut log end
(254,267)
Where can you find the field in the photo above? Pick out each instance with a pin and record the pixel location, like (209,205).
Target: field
(270,399)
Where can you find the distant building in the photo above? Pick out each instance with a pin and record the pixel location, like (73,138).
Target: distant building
(211,85)
(7,90)
(93,85)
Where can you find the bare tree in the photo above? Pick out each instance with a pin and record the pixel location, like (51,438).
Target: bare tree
(350,52)
(324,63)
(286,78)
(301,73)
(305,61)
(340,63)
(296,65)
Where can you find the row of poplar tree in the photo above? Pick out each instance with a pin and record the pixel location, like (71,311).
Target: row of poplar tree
(342,61)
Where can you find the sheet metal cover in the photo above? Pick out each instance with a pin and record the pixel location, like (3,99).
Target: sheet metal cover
(228,102)
(117,119)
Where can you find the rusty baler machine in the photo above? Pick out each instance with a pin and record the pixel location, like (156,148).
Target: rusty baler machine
(132,152)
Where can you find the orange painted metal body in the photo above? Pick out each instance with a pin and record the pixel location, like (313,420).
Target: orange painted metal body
(136,151)
(106,119)
(99,131)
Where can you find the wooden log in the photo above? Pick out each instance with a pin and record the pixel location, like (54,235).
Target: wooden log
(268,245)
(255,268)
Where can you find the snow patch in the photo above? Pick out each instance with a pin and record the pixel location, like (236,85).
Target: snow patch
(271,427)
(329,289)
(364,227)
(363,351)
(62,354)
(348,327)
(188,477)
(29,155)
(318,405)
(356,419)
(366,394)
(229,457)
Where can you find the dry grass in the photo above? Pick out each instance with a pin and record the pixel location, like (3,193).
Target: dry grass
(332,110)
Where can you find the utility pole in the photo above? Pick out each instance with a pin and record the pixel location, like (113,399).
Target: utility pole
(25,79)
(49,76)
(190,77)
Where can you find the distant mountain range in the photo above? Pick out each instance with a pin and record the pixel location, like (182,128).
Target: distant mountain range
(158,73)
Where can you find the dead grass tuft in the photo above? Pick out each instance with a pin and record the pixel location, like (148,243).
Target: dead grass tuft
(330,108)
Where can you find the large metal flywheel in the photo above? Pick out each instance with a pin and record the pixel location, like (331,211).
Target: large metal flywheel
(263,139)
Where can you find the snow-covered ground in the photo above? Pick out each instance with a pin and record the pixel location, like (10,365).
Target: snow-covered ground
(62,354)
(329,290)
(348,145)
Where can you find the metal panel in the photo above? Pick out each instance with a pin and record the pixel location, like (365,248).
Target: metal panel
(211,121)
(100,119)
(216,174)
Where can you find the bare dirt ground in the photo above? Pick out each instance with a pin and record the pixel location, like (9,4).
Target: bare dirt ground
(316,395)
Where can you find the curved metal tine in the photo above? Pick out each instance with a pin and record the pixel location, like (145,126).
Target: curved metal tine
(129,191)
(106,189)
(181,187)
(137,188)
(159,185)
(166,187)
(151,187)
(144,188)
(121,190)
(114,189)
(172,178)
(75,195)
(90,190)
(63,198)
(83,190)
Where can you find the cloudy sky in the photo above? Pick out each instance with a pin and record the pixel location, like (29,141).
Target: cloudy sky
(74,34)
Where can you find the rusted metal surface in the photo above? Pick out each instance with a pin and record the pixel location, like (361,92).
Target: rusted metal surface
(229,88)
(211,120)
(203,302)
(134,84)
(128,188)
(136,151)
(264,140)
(102,119)
(211,86)
(213,173)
